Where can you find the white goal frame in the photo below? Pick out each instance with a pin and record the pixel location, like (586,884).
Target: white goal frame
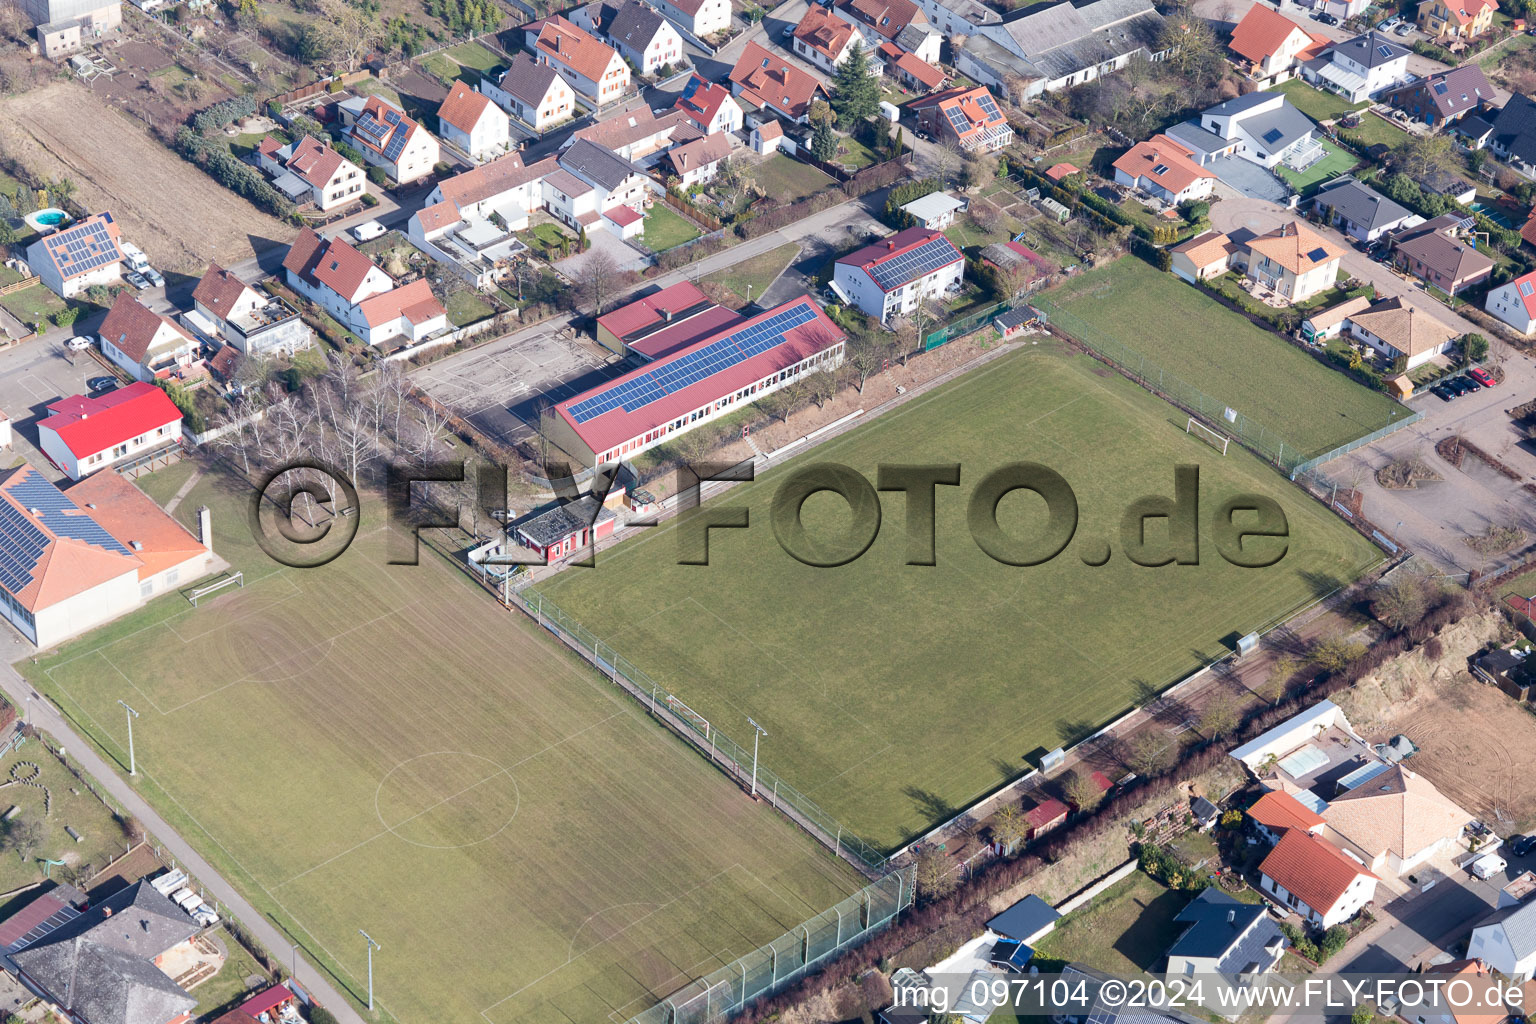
(1215,439)
(237,578)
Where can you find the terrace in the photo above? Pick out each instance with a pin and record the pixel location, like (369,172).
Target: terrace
(273,313)
(478,246)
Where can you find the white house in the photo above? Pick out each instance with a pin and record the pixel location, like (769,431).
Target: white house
(1395,822)
(1515,303)
(1205,256)
(766,138)
(144,343)
(410,311)
(83,434)
(1359,68)
(472,122)
(898,22)
(83,255)
(696,162)
(596,189)
(593,68)
(1222,935)
(308,171)
(710,105)
(824,39)
(1507,942)
(890,277)
(1293,261)
(533,93)
(1265,130)
(333,273)
(389,139)
(699,17)
(468,220)
(1316,879)
(1273,44)
(1163,167)
(1399,331)
(935,211)
(227,309)
(634,28)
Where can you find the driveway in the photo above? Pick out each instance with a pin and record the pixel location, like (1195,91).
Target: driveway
(33,374)
(1410,931)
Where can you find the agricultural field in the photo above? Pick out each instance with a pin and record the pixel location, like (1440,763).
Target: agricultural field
(179,216)
(376,746)
(896,694)
(1193,337)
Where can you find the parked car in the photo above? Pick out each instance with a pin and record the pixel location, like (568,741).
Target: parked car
(136,279)
(1466,385)
(1481,375)
(367,230)
(1326,18)
(101,385)
(1403,29)
(153,276)
(80,344)
(1442,392)
(1522,846)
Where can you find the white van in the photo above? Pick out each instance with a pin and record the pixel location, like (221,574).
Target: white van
(367,230)
(1486,867)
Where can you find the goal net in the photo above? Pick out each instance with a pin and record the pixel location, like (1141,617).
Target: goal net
(687,714)
(237,579)
(1211,437)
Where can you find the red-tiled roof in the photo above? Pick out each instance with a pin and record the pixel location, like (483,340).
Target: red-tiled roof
(690,156)
(766,80)
(131,516)
(413,301)
(902,242)
(493,178)
(564,43)
(1528,229)
(314,161)
(438,215)
(375,109)
(623,215)
(1465,11)
(887,17)
(704,102)
(1057,172)
(268,146)
(66,566)
(1312,869)
(967,100)
(333,262)
(1527,298)
(131,326)
(652,309)
(824,32)
(774,130)
(261,1002)
(463,107)
(1047,812)
(90,425)
(1276,811)
(1164,161)
(219,290)
(925,73)
(1263,31)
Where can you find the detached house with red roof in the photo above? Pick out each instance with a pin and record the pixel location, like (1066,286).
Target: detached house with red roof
(147,345)
(592,68)
(1445,20)
(83,434)
(1272,45)
(710,106)
(772,83)
(1515,303)
(360,295)
(309,171)
(967,115)
(389,139)
(81,256)
(890,277)
(473,124)
(899,23)
(823,38)
(1166,169)
(1316,879)
(225,308)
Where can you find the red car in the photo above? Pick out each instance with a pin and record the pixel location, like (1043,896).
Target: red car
(1481,376)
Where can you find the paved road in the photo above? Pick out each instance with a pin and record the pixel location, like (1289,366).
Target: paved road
(45,716)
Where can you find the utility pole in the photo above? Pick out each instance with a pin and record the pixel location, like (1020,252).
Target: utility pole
(371,947)
(761,732)
(132,714)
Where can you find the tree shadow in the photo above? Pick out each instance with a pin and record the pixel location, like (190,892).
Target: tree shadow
(1320,584)
(932,806)
(1147,940)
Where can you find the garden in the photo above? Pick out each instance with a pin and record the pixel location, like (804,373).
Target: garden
(665,228)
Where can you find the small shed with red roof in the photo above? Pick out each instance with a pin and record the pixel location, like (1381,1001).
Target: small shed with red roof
(1045,816)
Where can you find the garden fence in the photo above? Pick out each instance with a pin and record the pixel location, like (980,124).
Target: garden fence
(960,328)
(771,968)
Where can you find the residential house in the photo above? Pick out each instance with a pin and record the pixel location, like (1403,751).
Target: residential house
(1205,256)
(1398,331)
(773,84)
(595,188)
(410,311)
(473,123)
(1275,812)
(1263,128)
(1394,822)
(634,28)
(959,17)
(767,137)
(1506,941)
(1316,879)
(908,69)
(637,134)
(225,308)
(967,115)
(698,18)
(468,220)
(1448,20)
(309,171)
(696,162)
(145,344)
(1459,992)
(331,272)
(1028,921)
(1439,182)
(1446,97)
(1293,261)
(1513,139)
(1330,322)
(935,211)
(594,69)
(1359,68)
(1049,47)
(532,92)
(1341,9)
(1272,45)
(83,434)
(900,23)
(83,255)
(1360,212)
(1223,935)
(389,139)
(890,277)
(710,106)
(1163,168)
(824,39)
(1515,302)
(565,529)
(1434,253)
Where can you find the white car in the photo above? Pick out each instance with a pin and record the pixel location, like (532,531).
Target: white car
(368,230)
(80,344)
(1488,866)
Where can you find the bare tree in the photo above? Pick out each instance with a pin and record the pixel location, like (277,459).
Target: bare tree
(932,872)
(24,835)
(596,280)
(1080,790)
(1148,754)
(1220,716)
(352,31)
(821,388)
(1009,828)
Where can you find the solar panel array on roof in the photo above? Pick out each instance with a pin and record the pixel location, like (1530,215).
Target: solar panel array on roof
(1526,287)
(63,516)
(988,107)
(909,266)
(638,392)
(52,923)
(397,143)
(21,545)
(957,119)
(84,247)
(375,130)
(1440,89)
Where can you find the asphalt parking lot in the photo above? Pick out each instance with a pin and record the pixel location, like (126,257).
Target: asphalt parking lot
(33,374)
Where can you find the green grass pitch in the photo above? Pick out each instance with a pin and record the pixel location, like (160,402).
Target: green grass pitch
(1191,335)
(382,747)
(894,695)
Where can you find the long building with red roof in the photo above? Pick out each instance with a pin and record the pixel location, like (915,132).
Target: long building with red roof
(84,434)
(693,385)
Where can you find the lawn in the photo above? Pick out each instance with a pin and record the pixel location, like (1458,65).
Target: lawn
(894,695)
(965,233)
(1124,931)
(466,306)
(33,304)
(1192,337)
(787,179)
(853,155)
(1375,130)
(476,56)
(666,229)
(442,66)
(752,276)
(1338,161)
(1315,103)
(69,804)
(366,745)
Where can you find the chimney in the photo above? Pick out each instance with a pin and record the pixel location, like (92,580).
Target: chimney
(205,526)
(106,911)
(1231,916)
(890,244)
(137,545)
(666,315)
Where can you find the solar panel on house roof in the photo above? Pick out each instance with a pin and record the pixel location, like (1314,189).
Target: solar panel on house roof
(1526,287)
(1273,136)
(988,107)
(1384,50)
(638,392)
(1360,776)
(1317,254)
(957,119)
(63,516)
(909,266)
(1440,89)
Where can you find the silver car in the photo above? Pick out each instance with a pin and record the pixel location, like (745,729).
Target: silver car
(153,277)
(136,279)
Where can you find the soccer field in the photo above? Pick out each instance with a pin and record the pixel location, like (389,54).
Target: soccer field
(894,694)
(1195,338)
(383,747)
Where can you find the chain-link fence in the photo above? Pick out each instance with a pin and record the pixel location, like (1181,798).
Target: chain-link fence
(724,752)
(960,328)
(772,967)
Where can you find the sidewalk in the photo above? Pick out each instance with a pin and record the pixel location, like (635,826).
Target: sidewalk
(45,716)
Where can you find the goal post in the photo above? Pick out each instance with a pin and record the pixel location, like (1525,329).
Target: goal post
(236,579)
(1214,438)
